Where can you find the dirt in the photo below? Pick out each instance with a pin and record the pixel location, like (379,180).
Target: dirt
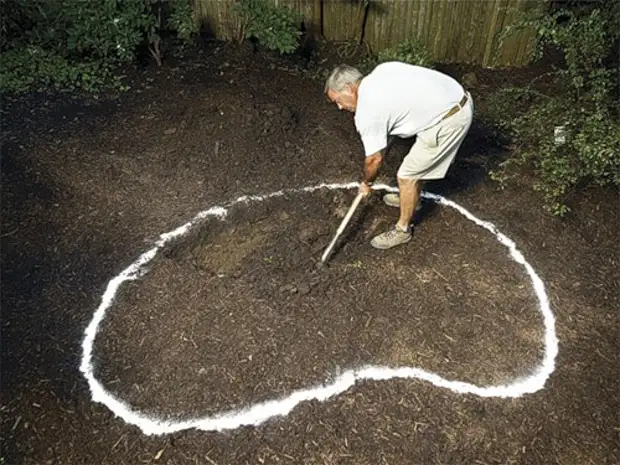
(237,311)
(254,273)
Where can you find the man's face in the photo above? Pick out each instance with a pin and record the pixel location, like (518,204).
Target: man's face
(345,100)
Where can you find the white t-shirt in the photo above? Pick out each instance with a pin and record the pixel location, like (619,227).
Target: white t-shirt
(401,100)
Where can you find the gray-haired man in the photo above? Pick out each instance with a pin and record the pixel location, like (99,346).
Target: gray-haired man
(398,99)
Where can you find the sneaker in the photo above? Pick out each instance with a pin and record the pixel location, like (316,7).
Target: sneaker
(393,200)
(391,238)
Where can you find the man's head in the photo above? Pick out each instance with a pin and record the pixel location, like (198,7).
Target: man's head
(341,87)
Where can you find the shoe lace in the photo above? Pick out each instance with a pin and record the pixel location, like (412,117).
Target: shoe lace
(394,232)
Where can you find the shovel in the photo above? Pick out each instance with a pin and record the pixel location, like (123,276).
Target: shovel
(342,226)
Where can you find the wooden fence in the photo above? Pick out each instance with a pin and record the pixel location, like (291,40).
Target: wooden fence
(462,31)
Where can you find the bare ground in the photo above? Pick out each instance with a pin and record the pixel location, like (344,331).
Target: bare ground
(236,312)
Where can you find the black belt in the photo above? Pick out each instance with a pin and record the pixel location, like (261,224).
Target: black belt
(456,108)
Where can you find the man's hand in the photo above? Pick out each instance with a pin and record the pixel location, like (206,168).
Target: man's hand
(365,189)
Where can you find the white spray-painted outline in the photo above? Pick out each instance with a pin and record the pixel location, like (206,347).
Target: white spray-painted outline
(259,413)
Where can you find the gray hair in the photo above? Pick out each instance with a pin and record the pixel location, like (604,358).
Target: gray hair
(341,76)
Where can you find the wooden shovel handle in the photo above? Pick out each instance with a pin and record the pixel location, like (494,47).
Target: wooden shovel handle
(343,225)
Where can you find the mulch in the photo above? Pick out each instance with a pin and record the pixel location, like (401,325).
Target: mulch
(237,312)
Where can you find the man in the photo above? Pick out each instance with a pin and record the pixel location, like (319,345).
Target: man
(398,99)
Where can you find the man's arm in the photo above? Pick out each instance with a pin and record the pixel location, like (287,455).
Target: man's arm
(372,164)
(371,169)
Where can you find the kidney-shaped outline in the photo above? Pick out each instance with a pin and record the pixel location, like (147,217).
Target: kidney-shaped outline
(259,413)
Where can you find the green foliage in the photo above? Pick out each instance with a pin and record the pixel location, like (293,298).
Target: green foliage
(31,67)
(585,110)
(274,27)
(182,21)
(105,30)
(69,44)
(409,51)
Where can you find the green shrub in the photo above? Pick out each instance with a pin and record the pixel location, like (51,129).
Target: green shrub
(70,44)
(106,30)
(585,109)
(274,27)
(409,51)
(34,68)
(181,20)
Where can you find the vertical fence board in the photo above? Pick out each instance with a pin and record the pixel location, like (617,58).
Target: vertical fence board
(425,20)
(481,17)
(504,18)
(381,38)
(518,52)
(463,22)
(447,32)
(355,12)
(396,23)
(421,18)
(449,41)
(413,19)
(403,17)
(342,14)
(328,20)
(453,21)
(391,22)
(461,17)
(525,38)
(490,29)
(429,26)
(412,12)
(348,12)
(372,25)
(509,41)
(437,17)
(219,27)
(439,29)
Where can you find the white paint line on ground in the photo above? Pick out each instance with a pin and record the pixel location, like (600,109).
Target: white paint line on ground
(259,413)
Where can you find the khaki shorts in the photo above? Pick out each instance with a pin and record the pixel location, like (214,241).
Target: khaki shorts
(435,148)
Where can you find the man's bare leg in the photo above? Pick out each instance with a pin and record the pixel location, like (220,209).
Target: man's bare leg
(409,198)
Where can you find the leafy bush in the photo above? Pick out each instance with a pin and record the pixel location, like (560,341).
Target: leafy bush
(182,20)
(409,51)
(274,27)
(585,111)
(31,67)
(70,44)
(105,30)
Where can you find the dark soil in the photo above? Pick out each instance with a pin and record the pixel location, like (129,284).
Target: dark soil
(295,326)
(237,311)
